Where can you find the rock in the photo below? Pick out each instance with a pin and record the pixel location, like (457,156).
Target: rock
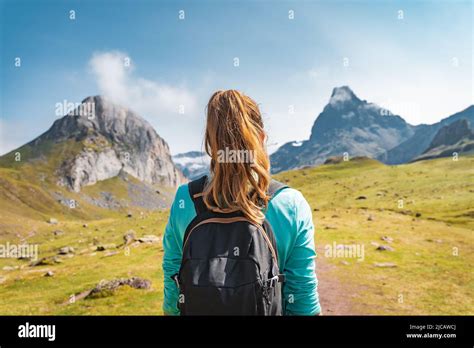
(330,227)
(9,268)
(361,197)
(49,274)
(103,247)
(315,209)
(66,250)
(374,244)
(334,216)
(370,218)
(418,214)
(385,248)
(387,239)
(129,237)
(107,287)
(129,215)
(58,232)
(110,253)
(53,221)
(385,264)
(46,261)
(149,238)
(84,225)
(435,240)
(344,262)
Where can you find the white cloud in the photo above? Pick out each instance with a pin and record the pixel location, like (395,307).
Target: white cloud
(115,79)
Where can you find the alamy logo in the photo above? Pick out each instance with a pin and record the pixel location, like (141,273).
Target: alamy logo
(37,331)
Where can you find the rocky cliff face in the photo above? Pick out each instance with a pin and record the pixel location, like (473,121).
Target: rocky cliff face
(110,140)
(422,138)
(457,137)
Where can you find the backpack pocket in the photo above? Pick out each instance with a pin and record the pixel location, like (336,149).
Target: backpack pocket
(221,286)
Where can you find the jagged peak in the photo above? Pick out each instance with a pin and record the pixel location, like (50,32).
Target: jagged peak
(341,95)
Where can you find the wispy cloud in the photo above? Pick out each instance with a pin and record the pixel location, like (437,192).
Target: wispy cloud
(115,78)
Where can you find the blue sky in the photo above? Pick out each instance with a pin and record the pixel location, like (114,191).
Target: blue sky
(417,63)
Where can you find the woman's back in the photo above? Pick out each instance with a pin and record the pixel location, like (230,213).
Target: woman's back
(291,219)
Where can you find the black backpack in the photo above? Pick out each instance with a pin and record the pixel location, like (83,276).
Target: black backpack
(229,264)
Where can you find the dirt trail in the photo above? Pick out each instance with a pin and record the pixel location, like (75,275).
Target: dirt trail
(336,298)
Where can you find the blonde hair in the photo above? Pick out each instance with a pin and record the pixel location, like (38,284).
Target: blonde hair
(234,125)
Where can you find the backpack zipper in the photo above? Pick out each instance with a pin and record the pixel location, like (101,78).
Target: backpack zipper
(230,220)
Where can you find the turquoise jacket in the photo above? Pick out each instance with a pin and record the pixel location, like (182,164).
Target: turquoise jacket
(291,219)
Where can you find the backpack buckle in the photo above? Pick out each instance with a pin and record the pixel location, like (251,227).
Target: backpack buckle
(176,280)
(273,281)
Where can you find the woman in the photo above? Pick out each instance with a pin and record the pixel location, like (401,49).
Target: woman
(236,186)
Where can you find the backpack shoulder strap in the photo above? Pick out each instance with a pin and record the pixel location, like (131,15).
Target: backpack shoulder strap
(275,187)
(195,188)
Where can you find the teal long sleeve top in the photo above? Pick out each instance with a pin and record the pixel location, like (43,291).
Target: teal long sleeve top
(290,216)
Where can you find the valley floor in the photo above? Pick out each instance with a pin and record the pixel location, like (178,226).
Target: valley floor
(420,214)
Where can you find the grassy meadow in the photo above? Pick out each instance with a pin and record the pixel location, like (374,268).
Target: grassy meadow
(356,202)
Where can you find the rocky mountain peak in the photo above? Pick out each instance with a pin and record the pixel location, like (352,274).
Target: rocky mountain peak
(112,139)
(343,95)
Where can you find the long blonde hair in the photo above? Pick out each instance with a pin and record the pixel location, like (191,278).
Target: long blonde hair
(235,127)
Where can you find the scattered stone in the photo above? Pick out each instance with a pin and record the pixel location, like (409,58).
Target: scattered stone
(329,227)
(385,264)
(53,221)
(129,237)
(108,287)
(375,244)
(110,253)
(361,197)
(10,268)
(370,218)
(49,274)
(84,225)
(66,250)
(315,209)
(129,215)
(385,248)
(435,240)
(46,261)
(335,216)
(103,247)
(344,262)
(418,214)
(387,239)
(58,232)
(149,238)
(380,194)
(158,191)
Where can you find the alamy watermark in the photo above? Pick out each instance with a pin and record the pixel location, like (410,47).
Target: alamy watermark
(17,251)
(334,250)
(235,156)
(75,109)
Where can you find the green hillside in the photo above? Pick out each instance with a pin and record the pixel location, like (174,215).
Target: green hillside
(435,223)
(354,202)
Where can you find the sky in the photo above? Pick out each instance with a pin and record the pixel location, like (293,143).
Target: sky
(164,59)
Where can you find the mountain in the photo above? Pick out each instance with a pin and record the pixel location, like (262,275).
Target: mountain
(346,124)
(100,140)
(421,139)
(193,164)
(457,137)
